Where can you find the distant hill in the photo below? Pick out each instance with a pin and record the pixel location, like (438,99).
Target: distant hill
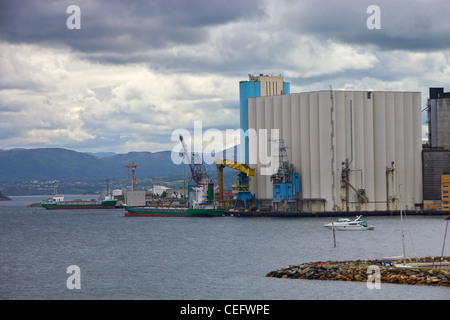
(149,164)
(3,197)
(49,164)
(102,154)
(58,164)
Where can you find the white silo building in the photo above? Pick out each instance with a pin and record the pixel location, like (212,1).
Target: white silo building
(352,149)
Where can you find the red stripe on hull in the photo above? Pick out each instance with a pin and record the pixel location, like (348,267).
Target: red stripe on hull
(71,208)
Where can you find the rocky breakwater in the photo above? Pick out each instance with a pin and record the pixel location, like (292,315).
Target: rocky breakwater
(358,270)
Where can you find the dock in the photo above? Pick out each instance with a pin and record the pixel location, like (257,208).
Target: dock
(325,214)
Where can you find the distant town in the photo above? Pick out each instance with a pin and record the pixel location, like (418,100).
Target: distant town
(99,186)
(85,186)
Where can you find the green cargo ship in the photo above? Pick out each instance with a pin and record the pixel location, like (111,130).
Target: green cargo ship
(57,203)
(200,206)
(172,212)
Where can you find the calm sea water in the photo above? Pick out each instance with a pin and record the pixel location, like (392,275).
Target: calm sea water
(194,258)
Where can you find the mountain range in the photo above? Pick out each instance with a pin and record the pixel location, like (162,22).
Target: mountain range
(58,164)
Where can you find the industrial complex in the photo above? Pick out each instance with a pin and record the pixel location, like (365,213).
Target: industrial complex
(339,150)
(329,151)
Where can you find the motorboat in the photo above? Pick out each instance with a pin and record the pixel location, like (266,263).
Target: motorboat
(344,224)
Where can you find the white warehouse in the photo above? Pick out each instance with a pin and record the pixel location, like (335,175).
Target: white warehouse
(352,149)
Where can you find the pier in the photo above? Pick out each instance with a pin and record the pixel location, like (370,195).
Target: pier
(335,214)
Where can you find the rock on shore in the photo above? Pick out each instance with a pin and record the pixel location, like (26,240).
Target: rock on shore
(3,197)
(357,270)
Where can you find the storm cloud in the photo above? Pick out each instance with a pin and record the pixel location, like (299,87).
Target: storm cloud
(137,70)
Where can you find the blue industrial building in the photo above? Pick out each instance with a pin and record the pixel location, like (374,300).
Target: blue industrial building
(257,86)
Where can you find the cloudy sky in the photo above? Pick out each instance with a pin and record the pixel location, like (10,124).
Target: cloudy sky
(138,70)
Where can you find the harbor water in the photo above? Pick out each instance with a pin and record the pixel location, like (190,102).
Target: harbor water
(195,258)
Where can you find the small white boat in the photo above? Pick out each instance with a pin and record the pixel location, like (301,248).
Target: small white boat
(349,225)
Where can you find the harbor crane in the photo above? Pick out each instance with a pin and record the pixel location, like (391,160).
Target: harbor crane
(198,169)
(199,174)
(243,183)
(286,182)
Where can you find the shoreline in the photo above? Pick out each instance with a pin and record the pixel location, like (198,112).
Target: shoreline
(3,197)
(358,270)
(332,214)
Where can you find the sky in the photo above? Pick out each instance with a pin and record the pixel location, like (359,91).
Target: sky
(136,71)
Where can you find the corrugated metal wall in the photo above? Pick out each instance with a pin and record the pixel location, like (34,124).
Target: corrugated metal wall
(371,129)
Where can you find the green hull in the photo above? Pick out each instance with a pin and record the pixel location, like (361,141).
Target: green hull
(172,212)
(107,204)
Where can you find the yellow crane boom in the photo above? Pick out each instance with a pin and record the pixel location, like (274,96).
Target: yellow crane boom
(241,167)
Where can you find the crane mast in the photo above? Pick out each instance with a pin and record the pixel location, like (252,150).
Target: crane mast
(133,178)
(199,176)
(198,169)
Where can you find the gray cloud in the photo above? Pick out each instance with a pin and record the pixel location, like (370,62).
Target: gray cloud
(137,70)
(221,35)
(122,26)
(405,24)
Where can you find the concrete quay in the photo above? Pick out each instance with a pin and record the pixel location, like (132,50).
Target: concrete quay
(323,214)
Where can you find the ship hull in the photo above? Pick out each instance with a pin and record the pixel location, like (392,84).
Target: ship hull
(108,204)
(346,227)
(172,212)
